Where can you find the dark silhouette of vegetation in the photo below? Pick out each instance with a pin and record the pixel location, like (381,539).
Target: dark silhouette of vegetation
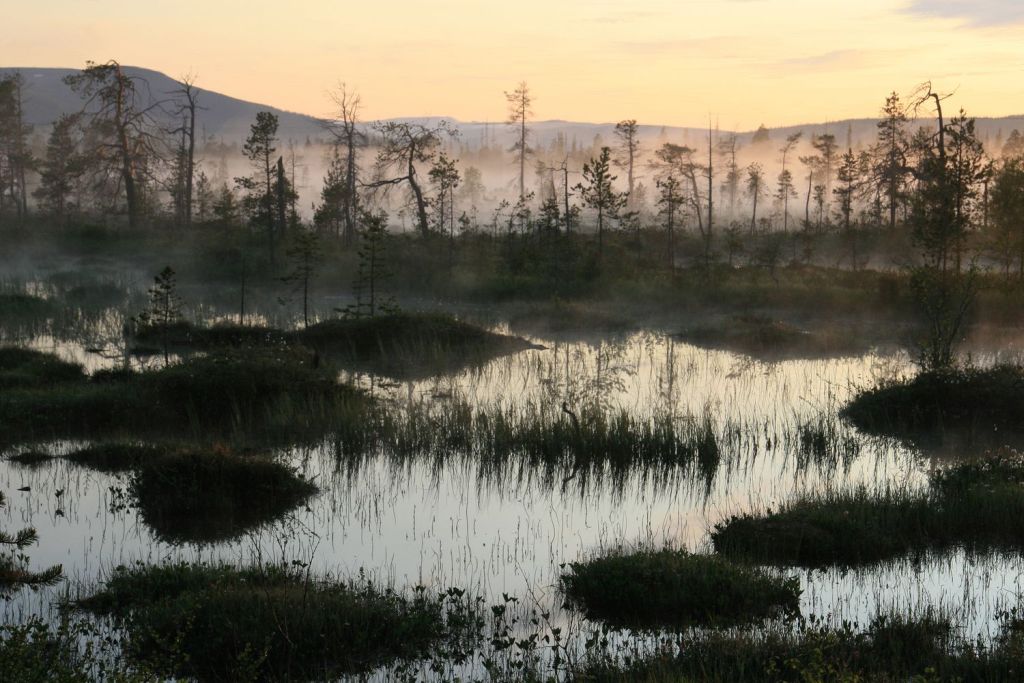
(977,505)
(164,308)
(655,589)
(890,647)
(14,571)
(216,622)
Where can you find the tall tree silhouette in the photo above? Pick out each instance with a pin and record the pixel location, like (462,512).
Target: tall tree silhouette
(519,112)
(124,137)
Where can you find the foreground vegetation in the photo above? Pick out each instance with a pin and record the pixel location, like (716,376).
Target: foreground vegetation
(666,588)
(541,444)
(271,393)
(977,402)
(215,622)
(890,648)
(405,345)
(978,505)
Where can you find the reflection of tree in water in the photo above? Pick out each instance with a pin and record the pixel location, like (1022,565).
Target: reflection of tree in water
(667,375)
(587,375)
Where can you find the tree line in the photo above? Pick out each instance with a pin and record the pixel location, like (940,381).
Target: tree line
(130,153)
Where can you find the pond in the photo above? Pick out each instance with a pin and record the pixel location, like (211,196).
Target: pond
(449,521)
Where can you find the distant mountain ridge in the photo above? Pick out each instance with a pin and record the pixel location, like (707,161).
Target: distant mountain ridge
(229,118)
(47,97)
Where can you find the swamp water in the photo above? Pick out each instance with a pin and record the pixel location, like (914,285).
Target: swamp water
(447,521)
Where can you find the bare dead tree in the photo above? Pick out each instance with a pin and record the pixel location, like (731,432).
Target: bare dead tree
(403,146)
(344,129)
(628,150)
(785,191)
(188,105)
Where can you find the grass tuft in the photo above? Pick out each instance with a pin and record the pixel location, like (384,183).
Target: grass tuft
(977,506)
(971,400)
(654,589)
(215,622)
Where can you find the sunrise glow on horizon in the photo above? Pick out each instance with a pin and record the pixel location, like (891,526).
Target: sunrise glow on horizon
(745,62)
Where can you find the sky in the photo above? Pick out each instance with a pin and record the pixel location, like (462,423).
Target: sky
(670,62)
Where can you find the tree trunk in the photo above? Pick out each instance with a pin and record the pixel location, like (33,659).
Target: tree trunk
(282,200)
(190,165)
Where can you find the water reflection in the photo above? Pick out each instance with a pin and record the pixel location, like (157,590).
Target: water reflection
(502,527)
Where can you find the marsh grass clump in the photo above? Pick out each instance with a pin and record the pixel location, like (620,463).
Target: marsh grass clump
(243,386)
(406,345)
(531,442)
(113,458)
(32,459)
(969,399)
(38,652)
(73,409)
(978,506)
(276,394)
(199,496)
(665,588)
(923,647)
(821,441)
(25,368)
(182,335)
(763,337)
(188,496)
(215,622)
(22,307)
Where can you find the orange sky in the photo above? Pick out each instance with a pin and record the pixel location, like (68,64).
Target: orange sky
(659,61)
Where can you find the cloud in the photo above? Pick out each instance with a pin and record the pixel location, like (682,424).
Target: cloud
(711,47)
(626,16)
(972,12)
(838,60)
(834,58)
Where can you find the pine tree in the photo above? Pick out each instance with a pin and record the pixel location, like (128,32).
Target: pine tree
(61,171)
(225,208)
(890,153)
(1007,202)
(628,150)
(304,258)
(519,112)
(670,204)
(329,214)
(164,307)
(598,192)
(124,136)
(784,193)
(373,271)
(204,198)
(260,199)
(15,152)
(755,190)
(846,192)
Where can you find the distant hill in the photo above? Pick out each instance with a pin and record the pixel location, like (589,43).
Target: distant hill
(47,97)
(229,118)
